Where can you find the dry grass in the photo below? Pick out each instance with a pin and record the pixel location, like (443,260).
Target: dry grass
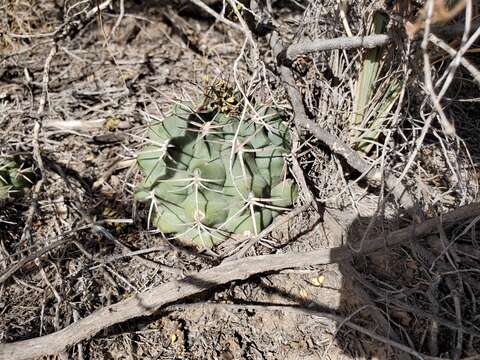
(102,90)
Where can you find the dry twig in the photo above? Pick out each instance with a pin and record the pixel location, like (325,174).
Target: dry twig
(64,239)
(307,47)
(452,52)
(217,16)
(151,301)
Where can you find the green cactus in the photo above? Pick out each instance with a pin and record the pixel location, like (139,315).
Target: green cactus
(14,179)
(209,174)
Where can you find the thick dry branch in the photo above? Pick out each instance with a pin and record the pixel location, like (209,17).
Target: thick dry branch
(334,143)
(151,301)
(307,47)
(365,42)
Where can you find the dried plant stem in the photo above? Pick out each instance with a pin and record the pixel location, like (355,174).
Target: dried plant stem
(151,301)
(65,238)
(278,222)
(46,77)
(452,52)
(119,19)
(217,16)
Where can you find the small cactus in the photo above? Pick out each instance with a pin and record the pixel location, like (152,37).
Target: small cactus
(14,179)
(209,174)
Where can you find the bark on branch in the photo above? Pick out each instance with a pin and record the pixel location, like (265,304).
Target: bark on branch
(366,42)
(307,47)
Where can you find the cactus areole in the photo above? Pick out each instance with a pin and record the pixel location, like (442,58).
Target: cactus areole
(209,174)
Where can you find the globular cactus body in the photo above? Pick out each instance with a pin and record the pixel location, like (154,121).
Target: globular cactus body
(209,174)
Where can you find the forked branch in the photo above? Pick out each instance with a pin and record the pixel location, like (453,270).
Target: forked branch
(151,301)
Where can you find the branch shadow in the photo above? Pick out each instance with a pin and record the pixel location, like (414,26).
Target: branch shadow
(392,293)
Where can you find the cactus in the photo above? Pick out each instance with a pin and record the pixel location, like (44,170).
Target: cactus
(14,179)
(209,173)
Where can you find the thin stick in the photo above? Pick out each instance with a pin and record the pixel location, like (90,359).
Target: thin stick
(217,16)
(119,19)
(152,300)
(278,222)
(427,72)
(96,10)
(452,52)
(18,265)
(46,76)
